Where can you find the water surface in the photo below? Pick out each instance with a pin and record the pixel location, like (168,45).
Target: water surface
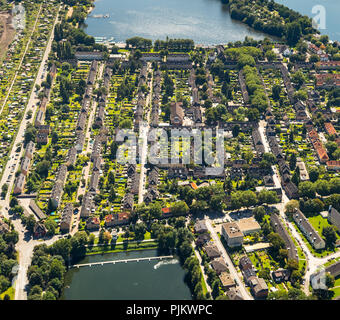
(144,280)
(204,21)
(332,10)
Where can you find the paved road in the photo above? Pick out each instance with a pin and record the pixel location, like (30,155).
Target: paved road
(143,136)
(240,285)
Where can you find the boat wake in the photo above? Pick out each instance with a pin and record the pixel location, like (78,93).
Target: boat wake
(165,262)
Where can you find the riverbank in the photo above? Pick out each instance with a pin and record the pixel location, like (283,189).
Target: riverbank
(125,247)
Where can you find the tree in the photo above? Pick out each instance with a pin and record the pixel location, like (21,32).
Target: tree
(322,187)
(259,213)
(51,226)
(4,283)
(291,206)
(267,196)
(30,223)
(30,133)
(179,208)
(292,264)
(292,161)
(293,33)
(329,233)
(235,130)
(313,174)
(307,189)
(330,281)
(276,91)
(155,210)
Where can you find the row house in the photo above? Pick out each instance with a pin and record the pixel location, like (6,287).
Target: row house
(318,146)
(25,165)
(87,205)
(307,229)
(327,80)
(19,184)
(279,228)
(29,151)
(66,218)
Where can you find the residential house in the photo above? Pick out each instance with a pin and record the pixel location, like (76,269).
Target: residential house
(219,266)
(248,225)
(87,205)
(200,227)
(211,251)
(39,230)
(176,113)
(279,228)
(66,218)
(19,184)
(93,223)
(226,280)
(29,151)
(307,229)
(334,217)
(232,234)
(36,210)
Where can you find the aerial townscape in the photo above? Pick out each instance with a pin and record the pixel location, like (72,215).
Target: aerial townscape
(262,224)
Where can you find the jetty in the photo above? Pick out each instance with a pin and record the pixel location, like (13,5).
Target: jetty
(121,261)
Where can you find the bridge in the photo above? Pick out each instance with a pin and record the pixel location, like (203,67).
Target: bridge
(121,261)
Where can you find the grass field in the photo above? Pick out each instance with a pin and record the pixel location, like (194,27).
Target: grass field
(10,291)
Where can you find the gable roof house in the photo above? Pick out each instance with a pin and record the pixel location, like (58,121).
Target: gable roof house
(219,265)
(211,251)
(334,217)
(94,181)
(279,228)
(307,229)
(36,210)
(71,156)
(177,113)
(87,205)
(93,223)
(19,184)
(200,227)
(330,128)
(80,141)
(25,165)
(29,150)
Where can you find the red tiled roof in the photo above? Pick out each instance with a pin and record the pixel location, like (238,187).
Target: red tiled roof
(166,210)
(193,185)
(330,128)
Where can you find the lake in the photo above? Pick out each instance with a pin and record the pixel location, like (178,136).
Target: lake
(204,21)
(144,280)
(332,10)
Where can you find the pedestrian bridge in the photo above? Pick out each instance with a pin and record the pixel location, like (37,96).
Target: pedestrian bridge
(121,261)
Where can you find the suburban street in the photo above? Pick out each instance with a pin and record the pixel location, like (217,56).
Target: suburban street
(240,285)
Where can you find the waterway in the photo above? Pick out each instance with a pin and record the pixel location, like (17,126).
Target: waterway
(331,8)
(204,21)
(144,280)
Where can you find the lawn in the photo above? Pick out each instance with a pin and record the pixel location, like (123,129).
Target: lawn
(318,223)
(122,247)
(10,291)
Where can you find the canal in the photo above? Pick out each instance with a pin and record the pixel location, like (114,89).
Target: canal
(144,280)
